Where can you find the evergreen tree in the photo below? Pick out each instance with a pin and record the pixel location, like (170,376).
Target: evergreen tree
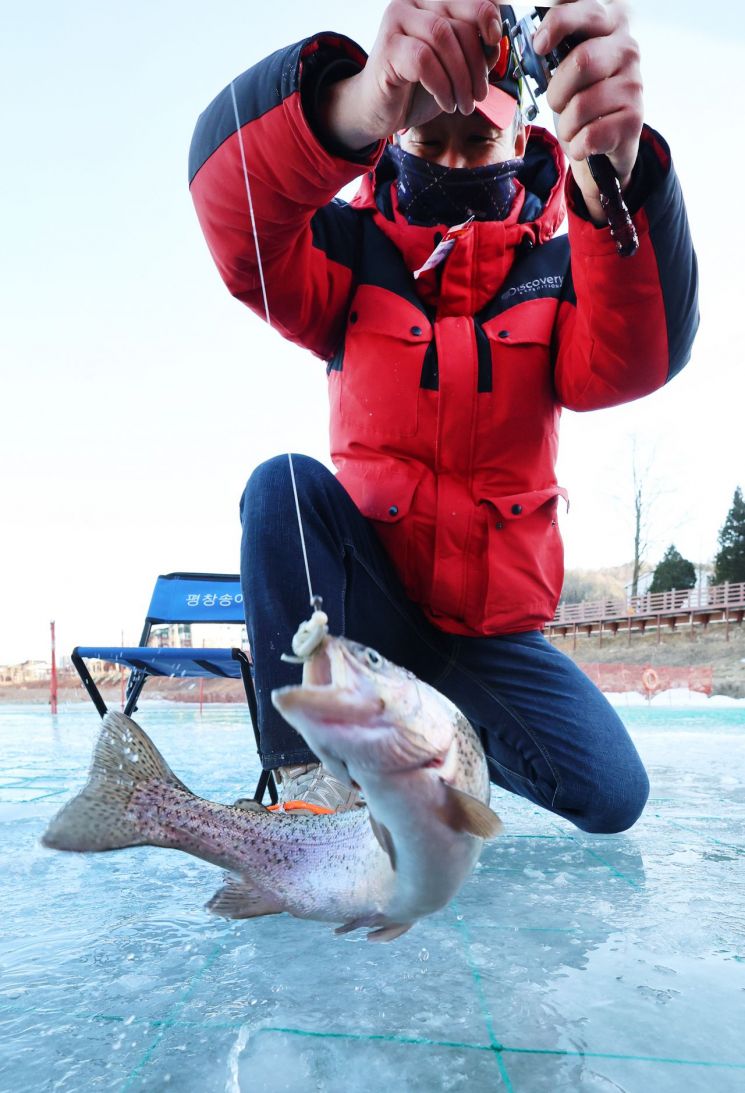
(729,564)
(674,571)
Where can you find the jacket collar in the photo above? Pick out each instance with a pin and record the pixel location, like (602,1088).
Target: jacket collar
(476,268)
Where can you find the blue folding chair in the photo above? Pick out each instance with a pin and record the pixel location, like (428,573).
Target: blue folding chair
(180,598)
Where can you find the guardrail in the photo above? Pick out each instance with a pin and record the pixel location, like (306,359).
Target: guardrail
(717,603)
(715,598)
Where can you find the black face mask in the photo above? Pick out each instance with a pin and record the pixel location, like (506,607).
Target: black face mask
(429,194)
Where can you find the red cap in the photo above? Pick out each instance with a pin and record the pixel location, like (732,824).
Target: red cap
(498,107)
(501,102)
(503,97)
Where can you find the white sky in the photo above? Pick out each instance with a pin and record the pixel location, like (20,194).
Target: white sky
(137,395)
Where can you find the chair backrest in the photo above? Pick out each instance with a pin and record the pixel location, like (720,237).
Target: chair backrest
(195,598)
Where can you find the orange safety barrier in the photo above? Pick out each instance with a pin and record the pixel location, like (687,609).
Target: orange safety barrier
(648,680)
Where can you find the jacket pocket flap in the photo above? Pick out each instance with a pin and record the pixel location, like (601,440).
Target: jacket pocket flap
(374,312)
(517,506)
(384,491)
(530,323)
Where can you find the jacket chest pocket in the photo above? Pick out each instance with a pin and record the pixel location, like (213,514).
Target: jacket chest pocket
(381,371)
(526,554)
(522,383)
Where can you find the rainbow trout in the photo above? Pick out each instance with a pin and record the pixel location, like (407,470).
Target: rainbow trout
(401,856)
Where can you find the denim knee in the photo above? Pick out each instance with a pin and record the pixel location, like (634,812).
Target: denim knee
(610,814)
(269,487)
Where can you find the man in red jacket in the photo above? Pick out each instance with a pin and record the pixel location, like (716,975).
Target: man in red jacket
(437,542)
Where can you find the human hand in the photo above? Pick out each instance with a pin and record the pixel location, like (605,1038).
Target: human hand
(596,92)
(428,58)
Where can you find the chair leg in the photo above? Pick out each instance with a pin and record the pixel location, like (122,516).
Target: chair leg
(90,686)
(267,779)
(137,681)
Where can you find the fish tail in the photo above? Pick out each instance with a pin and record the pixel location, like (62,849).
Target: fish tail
(102,816)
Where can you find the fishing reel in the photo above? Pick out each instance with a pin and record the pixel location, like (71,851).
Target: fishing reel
(533,72)
(526,62)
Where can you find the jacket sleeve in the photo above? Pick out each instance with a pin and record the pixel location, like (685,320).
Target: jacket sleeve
(304,243)
(626,325)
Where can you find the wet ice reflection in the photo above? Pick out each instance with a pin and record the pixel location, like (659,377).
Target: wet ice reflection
(568,963)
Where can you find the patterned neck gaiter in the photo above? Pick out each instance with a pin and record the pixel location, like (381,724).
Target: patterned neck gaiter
(429,194)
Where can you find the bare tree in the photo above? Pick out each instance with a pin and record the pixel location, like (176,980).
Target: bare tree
(640,538)
(646,492)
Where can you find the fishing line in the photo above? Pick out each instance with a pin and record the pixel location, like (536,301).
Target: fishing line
(310,634)
(239,131)
(315,601)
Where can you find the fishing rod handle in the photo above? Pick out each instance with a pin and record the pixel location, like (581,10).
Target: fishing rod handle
(611,195)
(616,211)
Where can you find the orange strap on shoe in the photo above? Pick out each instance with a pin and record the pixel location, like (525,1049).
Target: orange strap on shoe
(302,806)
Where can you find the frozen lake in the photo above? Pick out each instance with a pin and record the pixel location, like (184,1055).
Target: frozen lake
(569,962)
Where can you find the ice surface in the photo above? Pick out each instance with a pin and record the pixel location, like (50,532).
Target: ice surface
(568,963)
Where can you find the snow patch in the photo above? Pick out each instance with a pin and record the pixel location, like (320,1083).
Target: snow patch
(676,696)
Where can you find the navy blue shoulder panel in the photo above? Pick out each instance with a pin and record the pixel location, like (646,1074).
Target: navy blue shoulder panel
(352,237)
(374,260)
(383,266)
(263,87)
(257,91)
(676,261)
(537,273)
(337,231)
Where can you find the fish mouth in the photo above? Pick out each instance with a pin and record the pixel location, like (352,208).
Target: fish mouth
(340,694)
(318,670)
(332,690)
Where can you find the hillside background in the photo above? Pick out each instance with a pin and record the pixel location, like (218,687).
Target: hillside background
(682,648)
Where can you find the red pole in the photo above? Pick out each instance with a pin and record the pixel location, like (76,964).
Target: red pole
(53,677)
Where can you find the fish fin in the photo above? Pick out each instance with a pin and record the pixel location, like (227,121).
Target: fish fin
(386,930)
(249,804)
(348,927)
(375,919)
(463,812)
(389,932)
(384,837)
(240,898)
(99,818)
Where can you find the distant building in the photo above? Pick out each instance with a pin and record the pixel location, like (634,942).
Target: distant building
(197,635)
(228,635)
(176,635)
(30,671)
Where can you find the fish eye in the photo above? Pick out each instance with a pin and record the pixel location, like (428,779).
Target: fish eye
(374,658)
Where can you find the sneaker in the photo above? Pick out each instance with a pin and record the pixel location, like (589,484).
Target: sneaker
(310,786)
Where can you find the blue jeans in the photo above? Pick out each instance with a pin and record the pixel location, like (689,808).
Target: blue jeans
(548,732)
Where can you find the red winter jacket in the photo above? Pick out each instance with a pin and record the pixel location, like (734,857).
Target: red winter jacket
(446,392)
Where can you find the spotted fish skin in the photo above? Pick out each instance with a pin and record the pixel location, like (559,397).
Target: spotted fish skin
(330,868)
(406,854)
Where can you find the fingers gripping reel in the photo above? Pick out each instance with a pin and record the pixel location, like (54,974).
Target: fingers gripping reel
(533,73)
